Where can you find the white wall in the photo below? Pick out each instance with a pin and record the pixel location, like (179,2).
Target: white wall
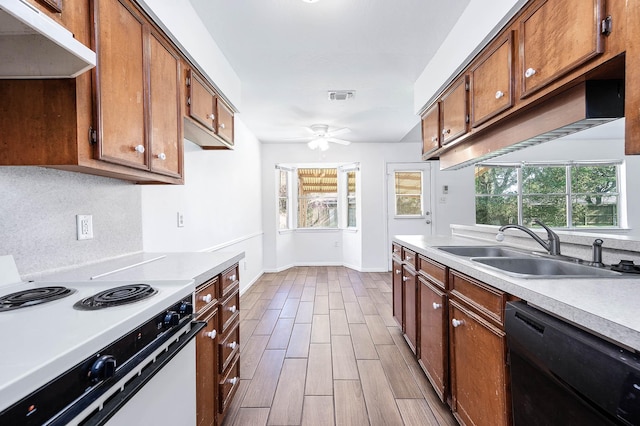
(220,202)
(365,249)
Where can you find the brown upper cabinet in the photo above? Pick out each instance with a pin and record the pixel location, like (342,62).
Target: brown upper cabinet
(492,81)
(556,37)
(137,92)
(430,130)
(454,110)
(208,121)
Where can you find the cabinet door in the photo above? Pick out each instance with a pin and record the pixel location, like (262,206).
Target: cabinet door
(433,352)
(556,37)
(492,82)
(207,372)
(455,111)
(120,84)
(410,307)
(397,293)
(165,112)
(430,130)
(225,121)
(202,102)
(478,369)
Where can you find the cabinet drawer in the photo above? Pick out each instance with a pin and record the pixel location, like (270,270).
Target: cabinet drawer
(433,270)
(229,346)
(206,295)
(229,278)
(486,299)
(229,310)
(396,250)
(409,258)
(228,385)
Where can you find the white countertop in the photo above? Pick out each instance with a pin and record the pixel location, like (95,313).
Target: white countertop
(609,307)
(199,266)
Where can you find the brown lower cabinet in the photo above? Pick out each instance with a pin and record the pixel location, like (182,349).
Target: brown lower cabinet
(217,346)
(459,339)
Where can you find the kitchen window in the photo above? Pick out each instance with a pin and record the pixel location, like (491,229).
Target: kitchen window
(322,197)
(562,195)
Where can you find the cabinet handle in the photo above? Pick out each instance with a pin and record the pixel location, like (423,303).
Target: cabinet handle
(437,305)
(405,278)
(232,277)
(211,334)
(499,94)
(398,271)
(233,380)
(139,149)
(207,298)
(434,139)
(457,323)
(222,125)
(408,258)
(529,72)
(232,309)
(211,117)
(446,131)
(162,156)
(232,345)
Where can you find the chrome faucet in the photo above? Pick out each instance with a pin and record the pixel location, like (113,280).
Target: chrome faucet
(552,245)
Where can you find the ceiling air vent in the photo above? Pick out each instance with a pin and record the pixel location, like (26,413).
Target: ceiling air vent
(341,95)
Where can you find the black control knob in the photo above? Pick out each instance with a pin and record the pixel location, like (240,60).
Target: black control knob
(186,308)
(103,368)
(171,318)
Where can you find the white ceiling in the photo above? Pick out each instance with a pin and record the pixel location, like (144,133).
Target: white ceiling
(288,54)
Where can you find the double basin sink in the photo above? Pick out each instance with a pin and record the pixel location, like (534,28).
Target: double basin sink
(524,264)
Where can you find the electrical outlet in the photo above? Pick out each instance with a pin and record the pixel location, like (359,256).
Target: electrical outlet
(180,220)
(84,226)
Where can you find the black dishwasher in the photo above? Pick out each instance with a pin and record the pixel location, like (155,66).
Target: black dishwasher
(562,375)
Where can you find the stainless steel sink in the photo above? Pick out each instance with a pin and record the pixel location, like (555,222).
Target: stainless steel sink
(532,267)
(482,251)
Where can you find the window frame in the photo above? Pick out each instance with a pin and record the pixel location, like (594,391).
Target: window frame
(569,192)
(342,196)
(420,193)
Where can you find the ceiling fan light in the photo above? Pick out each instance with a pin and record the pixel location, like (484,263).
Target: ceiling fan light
(323,144)
(313,144)
(310,1)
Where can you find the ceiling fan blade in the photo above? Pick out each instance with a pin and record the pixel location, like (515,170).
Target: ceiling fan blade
(338,141)
(338,132)
(299,139)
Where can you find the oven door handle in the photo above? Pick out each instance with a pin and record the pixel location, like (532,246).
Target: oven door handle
(133,386)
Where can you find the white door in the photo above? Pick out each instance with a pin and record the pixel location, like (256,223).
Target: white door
(408,200)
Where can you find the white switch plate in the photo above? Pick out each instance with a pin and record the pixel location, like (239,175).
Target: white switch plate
(180,220)
(84,225)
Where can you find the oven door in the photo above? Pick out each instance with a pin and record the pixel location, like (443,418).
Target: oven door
(159,388)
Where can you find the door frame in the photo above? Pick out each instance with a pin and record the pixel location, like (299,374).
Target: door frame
(421,165)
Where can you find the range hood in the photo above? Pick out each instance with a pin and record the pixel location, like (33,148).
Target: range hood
(32,45)
(585,105)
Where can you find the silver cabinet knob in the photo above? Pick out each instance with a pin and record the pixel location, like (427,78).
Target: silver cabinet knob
(211,116)
(437,305)
(233,380)
(499,94)
(232,309)
(162,156)
(529,72)
(206,299)
(211,334)
(405,278)
(139,149)
(398,271)
(232,277)
(434,139)
(408,258)
(446,131)
(457,323)
(232,345)
(222,126)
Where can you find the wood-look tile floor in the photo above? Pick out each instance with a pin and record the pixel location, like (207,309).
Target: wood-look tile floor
(319,346)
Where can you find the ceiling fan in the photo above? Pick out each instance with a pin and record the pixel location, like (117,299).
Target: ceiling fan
(322,136)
